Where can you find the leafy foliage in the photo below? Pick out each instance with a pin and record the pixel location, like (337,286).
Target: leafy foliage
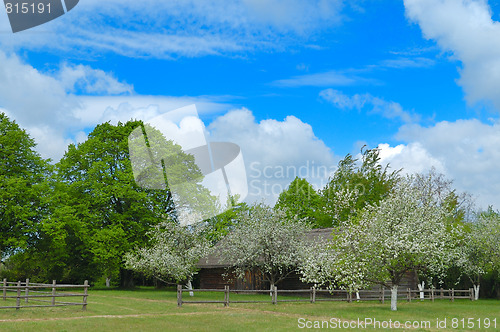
(354,186)
(300,200)
(22,187)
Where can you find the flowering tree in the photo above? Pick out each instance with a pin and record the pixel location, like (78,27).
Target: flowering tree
(174,252)
(478,251)
(406,231)
(264,239)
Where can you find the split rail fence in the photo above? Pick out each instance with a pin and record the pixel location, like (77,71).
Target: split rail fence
(313,295)
(30,295)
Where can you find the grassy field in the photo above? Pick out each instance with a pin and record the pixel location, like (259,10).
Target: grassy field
(156,310)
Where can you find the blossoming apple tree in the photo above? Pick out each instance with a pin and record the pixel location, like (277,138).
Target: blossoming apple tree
(404,232)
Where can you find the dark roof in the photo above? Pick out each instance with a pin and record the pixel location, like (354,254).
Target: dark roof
(212,259)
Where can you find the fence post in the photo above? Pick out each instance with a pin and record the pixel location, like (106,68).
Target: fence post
(453,295)
(409,295)
(442,293)
(85,294)
(18,299)
(226,296)
(275,292)
(4,288)
(53,292)
(179,295)
(26,291)
(383,294)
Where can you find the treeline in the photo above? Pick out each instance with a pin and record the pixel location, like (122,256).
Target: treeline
(81,217)
(76,219)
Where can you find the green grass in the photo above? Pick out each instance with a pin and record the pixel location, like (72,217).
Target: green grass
(146,309)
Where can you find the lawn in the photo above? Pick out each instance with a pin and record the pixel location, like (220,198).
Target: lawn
(146,309)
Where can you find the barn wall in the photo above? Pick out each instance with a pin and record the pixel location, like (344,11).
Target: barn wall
(212,278)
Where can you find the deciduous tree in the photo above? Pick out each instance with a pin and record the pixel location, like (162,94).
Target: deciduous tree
(264,239)
(22,187)
(406,231)
(172,254)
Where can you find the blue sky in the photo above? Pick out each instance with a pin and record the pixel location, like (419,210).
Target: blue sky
(294,83)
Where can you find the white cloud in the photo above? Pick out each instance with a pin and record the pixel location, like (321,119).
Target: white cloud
(466,29)
(329,78)
(169,29)
(275,151)
(31,96)
(405,62)
(467,151)
(43,104)
(86,80)
(411,158)
(388,109)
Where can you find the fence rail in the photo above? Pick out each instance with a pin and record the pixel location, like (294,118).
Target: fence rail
(331,295)
(30,293)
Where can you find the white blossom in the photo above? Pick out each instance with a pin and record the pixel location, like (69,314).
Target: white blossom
(173,255)
(266,240)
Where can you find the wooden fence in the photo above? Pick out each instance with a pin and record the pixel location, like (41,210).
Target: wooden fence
(24,294)
(313,295)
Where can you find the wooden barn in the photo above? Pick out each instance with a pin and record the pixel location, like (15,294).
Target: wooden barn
(215,275)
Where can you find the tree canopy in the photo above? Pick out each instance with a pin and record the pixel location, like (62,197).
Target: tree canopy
(22,188)
(300,200)
(172,254)
(406,231)
(264,239)
(355,184)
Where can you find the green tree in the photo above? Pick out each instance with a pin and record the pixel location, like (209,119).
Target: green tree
(220,225)
(354,185)
(301,201)
(110,212)
(22,187)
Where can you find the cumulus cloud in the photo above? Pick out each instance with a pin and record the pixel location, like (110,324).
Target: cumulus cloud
(90,81)
(46,106)
(411,158)
(467,30)
(169,29)
(275,151)
(465,150)
(31,96)
(388,109)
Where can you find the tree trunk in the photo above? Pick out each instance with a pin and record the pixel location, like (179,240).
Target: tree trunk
(421,289)
(357,296)
(108,282)
(394,297)
(126,278)
(190,287)
(271,290)
(476,292)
